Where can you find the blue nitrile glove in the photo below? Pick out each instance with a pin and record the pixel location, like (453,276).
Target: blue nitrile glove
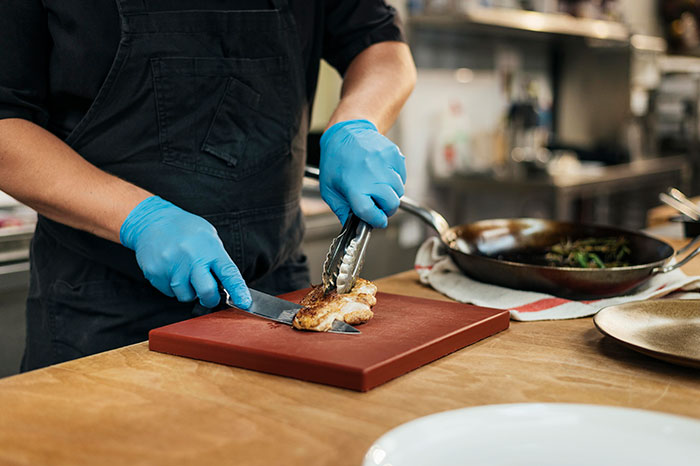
(181,253)
(362,171)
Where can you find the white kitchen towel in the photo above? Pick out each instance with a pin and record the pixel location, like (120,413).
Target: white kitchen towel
(437,269)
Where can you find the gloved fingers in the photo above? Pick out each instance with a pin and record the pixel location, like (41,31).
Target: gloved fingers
(386,199)
(232,280)
(393,156)
(342,212)
(183,289)
(206,287)
(364,207)
(179,277)
(386,174)
(393,179)
(337,203)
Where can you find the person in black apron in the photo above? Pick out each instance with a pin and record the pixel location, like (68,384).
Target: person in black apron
(205,112)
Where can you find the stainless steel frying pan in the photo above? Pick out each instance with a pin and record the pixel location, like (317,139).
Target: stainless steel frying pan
(490,251)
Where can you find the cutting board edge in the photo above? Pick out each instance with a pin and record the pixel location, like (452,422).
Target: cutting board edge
(200,349)
(399,365)
(160,334)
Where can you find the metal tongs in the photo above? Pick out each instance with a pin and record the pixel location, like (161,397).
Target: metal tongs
(676,199)
(346,256)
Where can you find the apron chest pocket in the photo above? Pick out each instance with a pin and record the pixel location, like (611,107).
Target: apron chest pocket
(225,117)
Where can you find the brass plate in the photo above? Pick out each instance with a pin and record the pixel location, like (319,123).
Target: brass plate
(667,329)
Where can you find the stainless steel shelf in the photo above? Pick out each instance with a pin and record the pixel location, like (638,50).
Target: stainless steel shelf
(17,255)
(14,256)
(529,21)
(14,243)
(558,195)
(16,232)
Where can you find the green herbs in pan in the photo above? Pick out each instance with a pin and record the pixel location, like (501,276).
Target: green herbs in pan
(590,253)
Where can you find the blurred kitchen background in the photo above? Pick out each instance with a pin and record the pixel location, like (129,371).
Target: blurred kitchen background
(562,109)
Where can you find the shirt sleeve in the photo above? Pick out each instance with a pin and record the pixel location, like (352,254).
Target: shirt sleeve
(353,25)
(24,50)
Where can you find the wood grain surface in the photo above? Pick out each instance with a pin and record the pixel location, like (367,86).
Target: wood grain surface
(132,406)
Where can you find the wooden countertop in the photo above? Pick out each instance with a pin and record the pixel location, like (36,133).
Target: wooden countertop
(133,406)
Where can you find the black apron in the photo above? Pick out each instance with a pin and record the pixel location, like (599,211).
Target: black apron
(206,109)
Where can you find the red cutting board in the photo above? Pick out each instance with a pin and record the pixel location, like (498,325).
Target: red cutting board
(404,334)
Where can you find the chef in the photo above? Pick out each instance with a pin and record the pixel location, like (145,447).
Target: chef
(163,144)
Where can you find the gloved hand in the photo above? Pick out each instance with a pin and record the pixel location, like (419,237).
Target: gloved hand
(362,171)
(181,253)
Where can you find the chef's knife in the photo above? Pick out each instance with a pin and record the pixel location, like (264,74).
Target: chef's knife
(279,310)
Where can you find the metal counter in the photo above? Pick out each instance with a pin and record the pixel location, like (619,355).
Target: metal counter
(617,194)
(14,282)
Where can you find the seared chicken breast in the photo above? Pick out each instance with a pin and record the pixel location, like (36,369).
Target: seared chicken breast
(353,308)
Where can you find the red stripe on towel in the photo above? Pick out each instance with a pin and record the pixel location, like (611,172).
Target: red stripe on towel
(542,305)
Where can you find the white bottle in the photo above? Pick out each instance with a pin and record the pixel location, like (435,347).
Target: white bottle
(451,148)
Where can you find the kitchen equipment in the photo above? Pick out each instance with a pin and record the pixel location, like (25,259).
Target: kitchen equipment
(540,434)
(680,197)
(405,333)
(667,329)
(691,228)
(437,269)
(679,206)
(282,311)
(346,256)
(496,251)
(14,243)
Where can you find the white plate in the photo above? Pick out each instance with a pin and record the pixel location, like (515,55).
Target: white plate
(541,434)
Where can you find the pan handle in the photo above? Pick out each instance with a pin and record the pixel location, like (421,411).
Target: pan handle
(683,261)
(434,220)
(688,246)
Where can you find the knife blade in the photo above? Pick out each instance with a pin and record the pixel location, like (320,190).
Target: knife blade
(282,311)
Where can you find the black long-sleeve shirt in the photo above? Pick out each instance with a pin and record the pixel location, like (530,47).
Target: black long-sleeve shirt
(55,54)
